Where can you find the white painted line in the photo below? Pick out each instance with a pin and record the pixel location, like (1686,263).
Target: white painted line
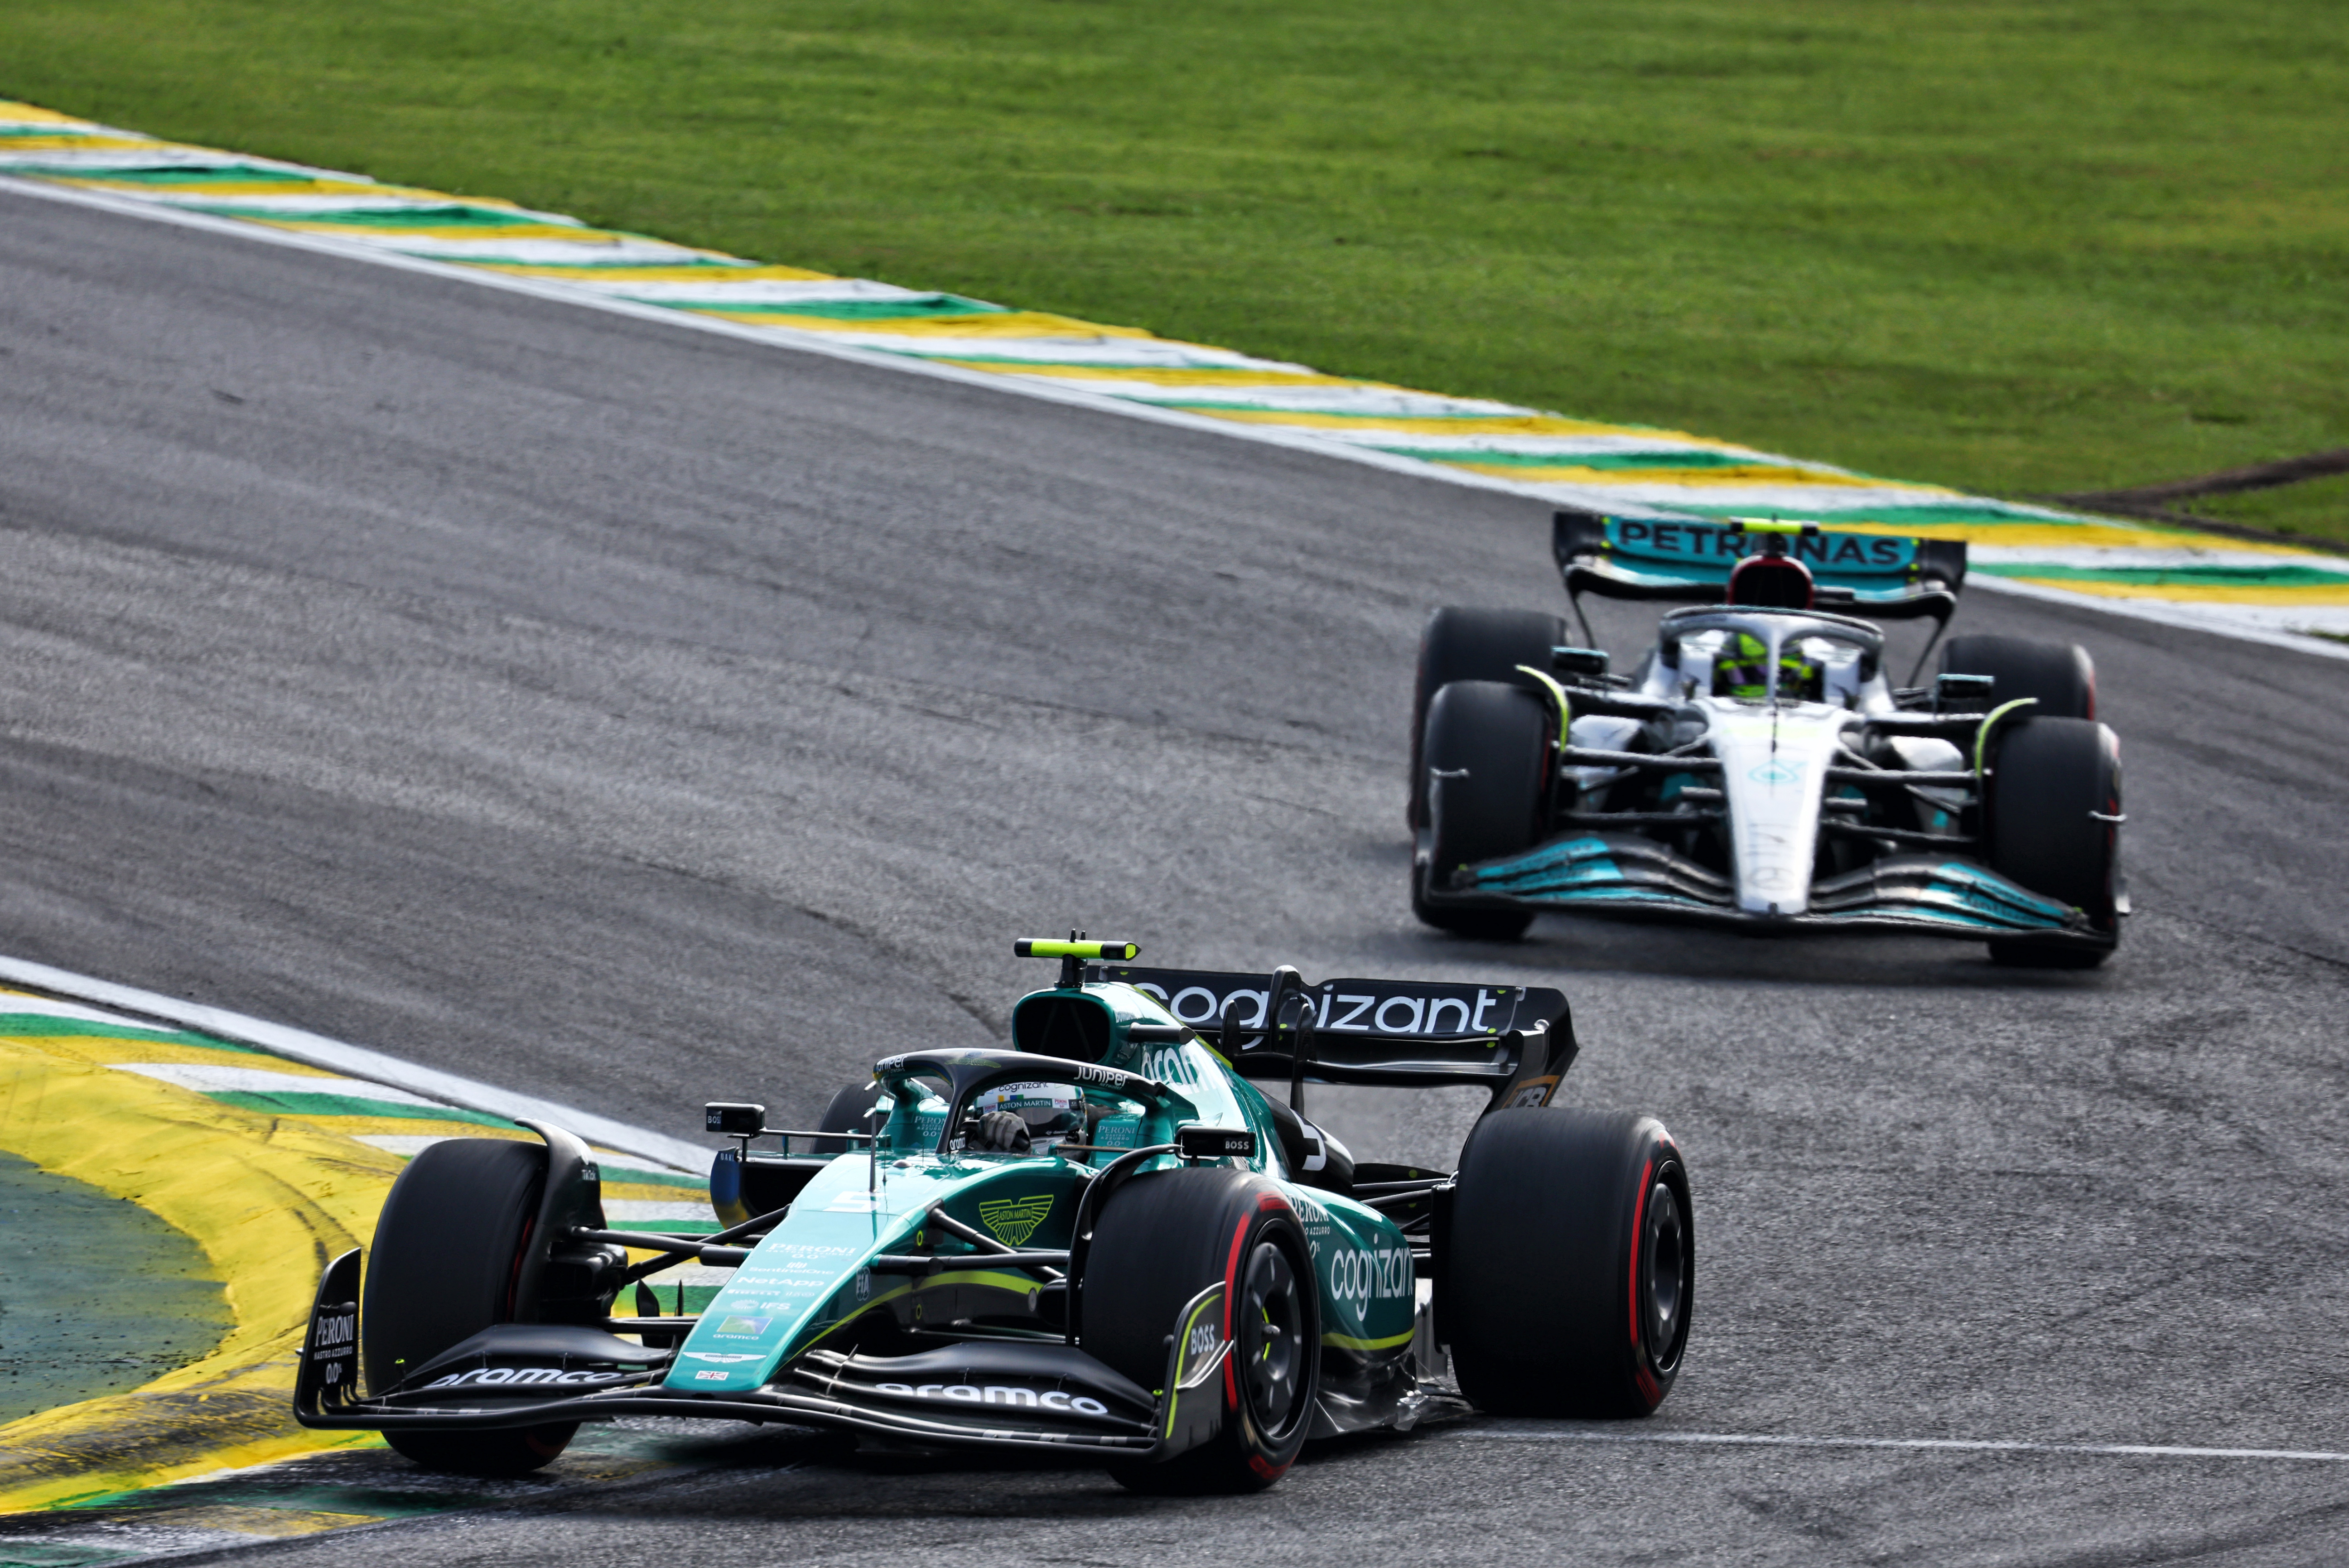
(2161,612)
(1926,1445)
(358,1062)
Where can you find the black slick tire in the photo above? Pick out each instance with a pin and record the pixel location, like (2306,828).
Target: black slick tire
(1473,645)
(445,1263)
(1161,1240)
(2051,782)
(851,1111)
(1569,1262)
(1487,747)
(2060,676)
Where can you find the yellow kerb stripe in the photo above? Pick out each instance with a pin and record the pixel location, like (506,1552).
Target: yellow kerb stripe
(1156,377)
(716,277)
(2201,593)
(267,1198)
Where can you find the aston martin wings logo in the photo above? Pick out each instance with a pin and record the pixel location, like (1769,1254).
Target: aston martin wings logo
(1014,1219)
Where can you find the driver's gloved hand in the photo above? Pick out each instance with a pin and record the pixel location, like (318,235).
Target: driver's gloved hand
(1002,1132)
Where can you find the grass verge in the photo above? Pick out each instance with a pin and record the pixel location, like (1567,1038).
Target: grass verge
(2010,246)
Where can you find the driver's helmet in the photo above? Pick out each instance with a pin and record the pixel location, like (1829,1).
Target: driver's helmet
(1741,670)
(1052,1111)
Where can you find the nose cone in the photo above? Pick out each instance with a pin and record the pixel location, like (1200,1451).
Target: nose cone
(1773,772)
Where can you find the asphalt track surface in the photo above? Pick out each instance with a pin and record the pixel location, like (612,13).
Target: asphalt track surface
(635,717)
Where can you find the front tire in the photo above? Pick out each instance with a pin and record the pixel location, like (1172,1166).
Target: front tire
(1161,1240)
(1571,1263)
(445,1264)
(1472,645)
(2060,676)
(851,1110)
(2051,782)
(1487,749)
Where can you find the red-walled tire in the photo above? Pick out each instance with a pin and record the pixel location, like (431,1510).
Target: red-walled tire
(2059,676)
(1569,1262)
(1161,1240)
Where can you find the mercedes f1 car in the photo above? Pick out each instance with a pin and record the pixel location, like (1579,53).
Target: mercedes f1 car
(1106,1242)
(1757,767)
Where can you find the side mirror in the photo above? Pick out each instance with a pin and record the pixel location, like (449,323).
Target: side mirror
(734,1120)
(1588,661)
(1962,693)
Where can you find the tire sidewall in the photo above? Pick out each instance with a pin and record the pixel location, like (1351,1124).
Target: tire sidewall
(2048,774)
(446,1254)
(1545,1298)
(1499,737)
(2059,676)
(1163,1237)
(1461,644)
(1270,1454)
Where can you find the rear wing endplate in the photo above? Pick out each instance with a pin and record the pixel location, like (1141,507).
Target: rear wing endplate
(1687,561)
(1405,1034)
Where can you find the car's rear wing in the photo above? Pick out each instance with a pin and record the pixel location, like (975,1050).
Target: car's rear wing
(1514,1040)
(1887,576)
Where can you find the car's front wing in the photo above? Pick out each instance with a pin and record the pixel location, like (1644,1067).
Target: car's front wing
(1625,874)
(1035,1394)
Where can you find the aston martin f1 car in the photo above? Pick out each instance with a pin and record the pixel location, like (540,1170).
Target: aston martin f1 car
(1757,767)
(1106,1241)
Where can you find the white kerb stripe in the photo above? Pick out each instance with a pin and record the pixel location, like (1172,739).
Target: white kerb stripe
(319,1051)
(213,1078)
(1926,1444)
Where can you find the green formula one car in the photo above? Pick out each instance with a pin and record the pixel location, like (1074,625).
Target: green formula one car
(1105,1242)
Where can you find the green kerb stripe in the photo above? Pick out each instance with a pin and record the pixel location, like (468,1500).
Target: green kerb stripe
(275,1103)
(218,174)
(630,1176)
(440,215)
(718,266)
(1921,517)
(2276,577)
(34,1025)
(1683,457)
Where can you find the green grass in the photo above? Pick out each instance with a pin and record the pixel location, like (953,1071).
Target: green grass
(2014,245)
(2316,507)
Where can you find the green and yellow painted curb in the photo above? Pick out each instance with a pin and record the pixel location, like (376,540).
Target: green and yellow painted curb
(272,1166)
(2270,592)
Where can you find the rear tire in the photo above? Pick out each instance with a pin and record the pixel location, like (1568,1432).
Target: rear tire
(445,1262)
(2059,675)
(1487,747)
(1473,645)
(1570,1263)
(2049,775)
(1161,1240)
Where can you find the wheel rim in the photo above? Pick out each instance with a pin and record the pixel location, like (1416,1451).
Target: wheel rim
(1271,1338)
(1664,1282)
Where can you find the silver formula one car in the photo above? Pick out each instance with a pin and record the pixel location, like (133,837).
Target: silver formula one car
(1758,767)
